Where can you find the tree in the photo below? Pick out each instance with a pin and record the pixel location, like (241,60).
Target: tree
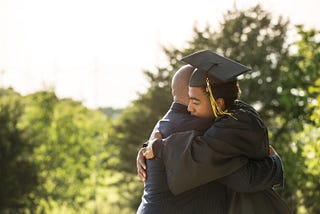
(69,140)
(132,128)
(299,97)
(249,36)
(18,171)
(308,143)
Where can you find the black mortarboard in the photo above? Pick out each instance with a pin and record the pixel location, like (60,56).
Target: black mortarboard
(216,68)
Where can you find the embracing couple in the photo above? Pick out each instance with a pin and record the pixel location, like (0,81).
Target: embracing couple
(210,153)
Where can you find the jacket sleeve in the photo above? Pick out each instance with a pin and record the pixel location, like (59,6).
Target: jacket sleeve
(256,175)
(192,161)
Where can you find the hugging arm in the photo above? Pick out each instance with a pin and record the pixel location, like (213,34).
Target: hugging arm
(193,160)
(256,175)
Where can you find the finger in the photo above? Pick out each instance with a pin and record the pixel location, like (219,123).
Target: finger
(141,173)
(142,162)
(141,159)
(141,177)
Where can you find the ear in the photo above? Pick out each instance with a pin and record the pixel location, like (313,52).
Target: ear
(220,103)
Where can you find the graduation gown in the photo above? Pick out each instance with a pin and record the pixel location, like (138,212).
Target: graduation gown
(192,159)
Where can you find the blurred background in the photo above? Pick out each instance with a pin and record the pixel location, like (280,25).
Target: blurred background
(82,84)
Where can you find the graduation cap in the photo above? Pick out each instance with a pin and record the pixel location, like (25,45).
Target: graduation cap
(215,69)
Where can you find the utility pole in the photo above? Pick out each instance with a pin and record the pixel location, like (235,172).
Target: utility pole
(55,75)
(96,182)
(235,4)
(95,82)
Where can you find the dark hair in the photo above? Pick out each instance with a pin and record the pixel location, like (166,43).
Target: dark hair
(229,91)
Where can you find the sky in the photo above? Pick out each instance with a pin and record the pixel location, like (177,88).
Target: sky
(95,51)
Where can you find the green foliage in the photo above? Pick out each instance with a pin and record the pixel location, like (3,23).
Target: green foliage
(308,140)
(51,154)
(297,135)
(111,112)
(18,172)
(131,129)
(248,36)
(253,38)
(68,154)
(277,87)
(59,157)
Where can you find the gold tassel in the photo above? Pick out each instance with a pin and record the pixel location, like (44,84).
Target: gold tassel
(217,112)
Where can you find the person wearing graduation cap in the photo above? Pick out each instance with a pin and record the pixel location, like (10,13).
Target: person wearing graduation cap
(157,197)
(236,136)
